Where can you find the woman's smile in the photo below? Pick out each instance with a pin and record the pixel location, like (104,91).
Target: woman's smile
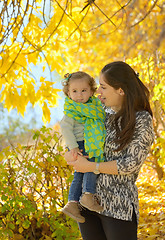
(110,96)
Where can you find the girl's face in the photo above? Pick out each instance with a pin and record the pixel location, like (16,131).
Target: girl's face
(79,90)
(109,96)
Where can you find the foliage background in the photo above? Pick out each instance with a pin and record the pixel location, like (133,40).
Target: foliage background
(34,187)
(66,36)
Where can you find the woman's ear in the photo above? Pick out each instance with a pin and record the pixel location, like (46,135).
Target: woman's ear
(121,92)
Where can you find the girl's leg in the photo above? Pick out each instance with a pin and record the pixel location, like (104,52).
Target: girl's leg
(89,182)
(89,189)
(75,190)
(92,228)
(72,207)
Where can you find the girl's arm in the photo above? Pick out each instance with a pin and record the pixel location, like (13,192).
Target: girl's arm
(67,125)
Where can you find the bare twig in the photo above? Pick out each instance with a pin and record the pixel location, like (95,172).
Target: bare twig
(154,4)
(122,8)
(89,3)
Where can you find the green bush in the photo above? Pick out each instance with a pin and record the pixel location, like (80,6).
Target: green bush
(34,187)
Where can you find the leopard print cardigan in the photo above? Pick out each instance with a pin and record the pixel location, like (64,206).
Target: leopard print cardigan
(118,194)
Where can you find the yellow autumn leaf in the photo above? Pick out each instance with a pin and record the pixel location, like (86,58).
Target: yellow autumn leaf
(46,113)
(76,9)
(20,230)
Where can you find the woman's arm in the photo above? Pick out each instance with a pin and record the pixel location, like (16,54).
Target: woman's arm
(130,160)
(81,164)
(133,157)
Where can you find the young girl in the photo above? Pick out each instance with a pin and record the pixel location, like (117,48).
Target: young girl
(83,130)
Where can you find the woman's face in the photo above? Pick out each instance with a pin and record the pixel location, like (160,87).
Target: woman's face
(109,96)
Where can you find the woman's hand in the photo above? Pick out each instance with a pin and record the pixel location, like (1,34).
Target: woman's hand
(81,164)
(70,157)
(72,154)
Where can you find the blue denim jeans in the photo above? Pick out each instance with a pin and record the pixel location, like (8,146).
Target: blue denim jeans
(82,182)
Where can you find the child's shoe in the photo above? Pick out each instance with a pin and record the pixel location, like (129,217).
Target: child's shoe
(72,210)
(89,201)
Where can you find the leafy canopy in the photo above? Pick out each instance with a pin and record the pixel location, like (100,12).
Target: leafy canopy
(67,36)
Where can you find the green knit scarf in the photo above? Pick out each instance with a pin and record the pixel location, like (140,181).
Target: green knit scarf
(92,115)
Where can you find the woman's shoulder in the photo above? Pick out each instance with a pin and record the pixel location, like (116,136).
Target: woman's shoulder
(144,121)
(143,115)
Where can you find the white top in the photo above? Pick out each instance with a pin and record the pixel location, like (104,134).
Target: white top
(72,131)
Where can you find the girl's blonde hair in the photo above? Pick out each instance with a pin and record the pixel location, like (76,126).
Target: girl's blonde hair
(78,75)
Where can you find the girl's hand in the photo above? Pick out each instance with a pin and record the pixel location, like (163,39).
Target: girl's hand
(72,154)
(75,152)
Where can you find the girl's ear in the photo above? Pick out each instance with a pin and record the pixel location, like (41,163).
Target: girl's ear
(121,92)
(92,93)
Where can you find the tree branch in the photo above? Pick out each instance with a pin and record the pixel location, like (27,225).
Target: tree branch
(145,14)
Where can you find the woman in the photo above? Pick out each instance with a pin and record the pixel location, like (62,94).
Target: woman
(129,137)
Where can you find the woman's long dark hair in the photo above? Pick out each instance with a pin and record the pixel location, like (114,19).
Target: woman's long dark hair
(136,98)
